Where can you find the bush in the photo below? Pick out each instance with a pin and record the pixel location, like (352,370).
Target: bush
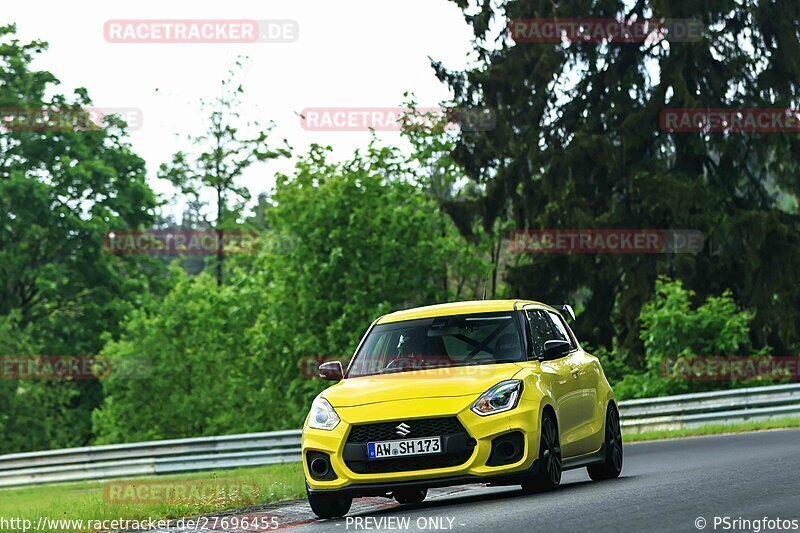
(673,328)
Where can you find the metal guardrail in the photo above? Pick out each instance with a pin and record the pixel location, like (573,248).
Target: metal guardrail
(704,408)
(254,449)
(149,458)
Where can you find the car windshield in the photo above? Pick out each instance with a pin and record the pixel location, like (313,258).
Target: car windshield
(476,339)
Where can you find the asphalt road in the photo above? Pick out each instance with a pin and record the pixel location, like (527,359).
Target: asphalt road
(665,486)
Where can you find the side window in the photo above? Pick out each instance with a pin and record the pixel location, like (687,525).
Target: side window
(541,331)
(560,329)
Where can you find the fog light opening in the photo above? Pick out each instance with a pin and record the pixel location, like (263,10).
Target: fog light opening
(320,467)
(507,450)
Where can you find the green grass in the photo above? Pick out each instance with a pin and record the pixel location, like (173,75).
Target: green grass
(715,429)
(87,501)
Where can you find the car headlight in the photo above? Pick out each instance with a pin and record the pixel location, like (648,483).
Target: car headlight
(322,415)
(502,397)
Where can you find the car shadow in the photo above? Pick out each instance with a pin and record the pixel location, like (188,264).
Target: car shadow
(454,499)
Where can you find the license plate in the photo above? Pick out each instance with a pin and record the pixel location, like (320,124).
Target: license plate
(404,448)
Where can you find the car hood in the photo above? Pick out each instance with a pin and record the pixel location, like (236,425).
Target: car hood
(430,383)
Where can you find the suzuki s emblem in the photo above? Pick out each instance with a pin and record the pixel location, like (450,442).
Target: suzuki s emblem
(403,429)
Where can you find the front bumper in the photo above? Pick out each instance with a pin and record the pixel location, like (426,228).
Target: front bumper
(481,429)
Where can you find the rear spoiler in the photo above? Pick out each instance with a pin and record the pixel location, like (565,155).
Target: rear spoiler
(566,310)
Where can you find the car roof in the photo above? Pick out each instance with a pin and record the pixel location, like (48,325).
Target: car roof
(456,308)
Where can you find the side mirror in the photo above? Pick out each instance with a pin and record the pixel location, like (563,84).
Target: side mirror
(331,370)
(555,349)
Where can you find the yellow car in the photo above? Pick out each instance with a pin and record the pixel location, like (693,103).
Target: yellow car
(497,392)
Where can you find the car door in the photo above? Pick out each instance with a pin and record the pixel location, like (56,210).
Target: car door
(558,374)
(584,396)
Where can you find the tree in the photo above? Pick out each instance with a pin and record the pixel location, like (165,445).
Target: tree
(226,151)
(577,144)
(62,187)
(196,375)
(433,137)
(346,243)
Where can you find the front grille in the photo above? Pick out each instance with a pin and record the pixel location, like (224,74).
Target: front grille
(361,434)
(424,427)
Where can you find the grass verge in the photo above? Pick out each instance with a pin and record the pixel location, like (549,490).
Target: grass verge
(714,429)
(89,501)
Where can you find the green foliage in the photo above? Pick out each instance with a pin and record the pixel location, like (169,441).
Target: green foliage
(614,367)
(347,242)
(578,144)
(60,192)
(183,368)
(672,327)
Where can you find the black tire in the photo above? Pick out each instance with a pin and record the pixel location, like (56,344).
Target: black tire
(548,470)
(612,466)
(329,505)
(410,495)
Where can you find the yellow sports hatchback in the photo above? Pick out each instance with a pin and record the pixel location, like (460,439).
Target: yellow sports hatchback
(496,392)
